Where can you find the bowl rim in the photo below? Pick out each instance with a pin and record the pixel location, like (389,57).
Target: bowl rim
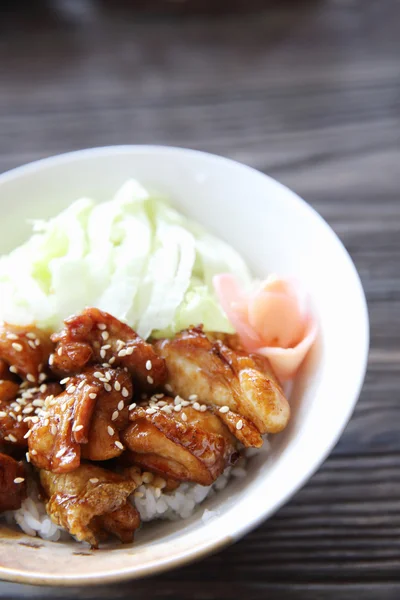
(187,555)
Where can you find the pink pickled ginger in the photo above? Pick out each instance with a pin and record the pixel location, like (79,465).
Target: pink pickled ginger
(275,320)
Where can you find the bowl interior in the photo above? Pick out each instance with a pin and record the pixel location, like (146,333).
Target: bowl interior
(276,232)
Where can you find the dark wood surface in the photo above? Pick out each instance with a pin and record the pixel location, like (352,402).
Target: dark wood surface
(310,93)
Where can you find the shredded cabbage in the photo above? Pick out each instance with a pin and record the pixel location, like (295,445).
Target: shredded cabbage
(134,256)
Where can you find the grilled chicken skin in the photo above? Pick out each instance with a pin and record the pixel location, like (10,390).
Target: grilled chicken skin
(221,376)
(185,444)
(12,483)
(26,350)
(19,406)
(95,336)
(83,420)
(91,503)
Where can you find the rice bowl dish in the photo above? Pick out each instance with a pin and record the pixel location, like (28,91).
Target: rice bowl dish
(238,327)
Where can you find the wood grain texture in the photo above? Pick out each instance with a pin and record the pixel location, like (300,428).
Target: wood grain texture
(310,93)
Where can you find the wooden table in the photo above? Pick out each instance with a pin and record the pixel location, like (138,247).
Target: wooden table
(309,93)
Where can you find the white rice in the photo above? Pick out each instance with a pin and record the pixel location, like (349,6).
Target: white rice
(179,504)
(32,517)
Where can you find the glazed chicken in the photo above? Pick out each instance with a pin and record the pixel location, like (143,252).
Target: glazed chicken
(179,441)
(96,336)
(83,420)
(109,406)
(26,350)
(19,406)
(91,503)
(220,376)
(12,483)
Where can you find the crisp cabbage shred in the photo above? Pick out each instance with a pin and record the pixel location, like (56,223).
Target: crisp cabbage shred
(133,256)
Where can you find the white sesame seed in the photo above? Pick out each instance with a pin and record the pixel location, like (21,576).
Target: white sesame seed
(224,409)
(111,360)
(115,415)
(31,344)
(27,456)
(105,365)
(150,380)
(77,427)
(28,410)
(106,347)
(46,422)
(12,336)
(193,397)
(34,419)
(13,369)
(132,406)
(71,389)
(53,429)
(2,414)
(92,396)
(119,445)
(17,347)
(168,387)
(177,407)
(19,418)
(117,386)
(121,405)
(239,424)
(184,416)
(19,480)
(31,378)
(203,408)
(81,384)
(31,335)
(177,400)
(149,365)
(33,452)
(107,387)
(12,438)
(42,377)
(151,411)
(28,433)
(129,351)
(185,403)
(51,359)
(110,430)
(43,388)
(60,351)
(122,353)
(37,342)
(124,392)
(61,452)
(102,353)
(108,375)
(167,409)
(196,406)
(105,335)
(94,480)
(97,374)
(103,379)
(101,326)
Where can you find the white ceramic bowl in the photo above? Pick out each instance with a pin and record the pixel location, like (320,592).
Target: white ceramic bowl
(275,231)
